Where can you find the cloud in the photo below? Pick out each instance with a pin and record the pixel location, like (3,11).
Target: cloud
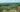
(9,1)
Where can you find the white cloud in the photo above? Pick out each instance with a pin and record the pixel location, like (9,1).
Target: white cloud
(8,1)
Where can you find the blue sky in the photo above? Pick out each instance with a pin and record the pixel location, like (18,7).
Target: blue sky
(9,1)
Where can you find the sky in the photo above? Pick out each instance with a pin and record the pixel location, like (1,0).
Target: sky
(9,1)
